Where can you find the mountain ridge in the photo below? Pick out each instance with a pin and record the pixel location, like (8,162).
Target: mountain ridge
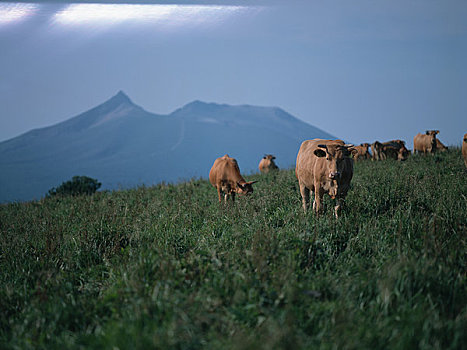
(123,145)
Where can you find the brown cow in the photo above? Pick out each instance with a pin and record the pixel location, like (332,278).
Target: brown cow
(362,152)
(267,164)
(440,147)
(394,149)
(376,149)
(225,176)
(324,166)
(425,143)
(464,149)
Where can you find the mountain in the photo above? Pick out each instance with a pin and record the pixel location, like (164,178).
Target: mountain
(122,145)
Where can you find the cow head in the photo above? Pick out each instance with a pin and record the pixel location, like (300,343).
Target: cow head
(432,134)
(377,145)
(268,164)
(403,153)
(335,155)
(245,188)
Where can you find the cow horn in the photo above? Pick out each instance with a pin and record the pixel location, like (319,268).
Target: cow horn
(348,145)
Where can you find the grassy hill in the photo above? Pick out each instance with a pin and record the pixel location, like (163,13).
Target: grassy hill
(167,267)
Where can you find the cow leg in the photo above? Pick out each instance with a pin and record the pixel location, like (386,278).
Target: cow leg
(317,204)
(305,192)
(233,197)
(338,207)
(219,194)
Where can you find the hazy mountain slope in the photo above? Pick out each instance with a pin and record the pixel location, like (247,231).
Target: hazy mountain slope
(122,145)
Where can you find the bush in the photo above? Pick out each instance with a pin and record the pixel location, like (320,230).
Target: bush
(78,185)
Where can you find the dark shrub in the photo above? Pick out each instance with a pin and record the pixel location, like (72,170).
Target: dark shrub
(76,186)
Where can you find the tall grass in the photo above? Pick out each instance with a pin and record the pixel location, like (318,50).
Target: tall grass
(167,267)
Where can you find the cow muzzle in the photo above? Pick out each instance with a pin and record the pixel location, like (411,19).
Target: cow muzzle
(335,175)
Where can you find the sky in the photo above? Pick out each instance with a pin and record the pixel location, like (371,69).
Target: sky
(362,70)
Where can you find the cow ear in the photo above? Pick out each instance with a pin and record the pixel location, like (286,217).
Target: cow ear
(427,132)
(251,182)
(239,185)
(319,153)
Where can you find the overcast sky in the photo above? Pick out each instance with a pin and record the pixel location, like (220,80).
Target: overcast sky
(362,70)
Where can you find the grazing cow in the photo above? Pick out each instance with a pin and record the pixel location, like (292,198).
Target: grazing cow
(324,166)
(267,164)
(440,147)
(425,143)
(362,152)
(394,149)
(225,176)
(376,149)
(464,149)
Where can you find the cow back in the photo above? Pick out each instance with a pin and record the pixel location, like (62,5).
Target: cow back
(440,146)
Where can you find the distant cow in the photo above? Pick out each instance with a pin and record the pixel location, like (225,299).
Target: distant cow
(324,166)
(440,147)
(394,149)
(425,143)
(225,177)
(267,164)
(362,152)
(376,148)
(464,149)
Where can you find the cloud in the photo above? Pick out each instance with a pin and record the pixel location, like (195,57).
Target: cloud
(12,12)
(174,15)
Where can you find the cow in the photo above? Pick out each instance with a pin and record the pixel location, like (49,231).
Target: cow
(376,148)
(226,178)
(464,149)
(267,164)
(440,147)
(324,166)
(362,152)
(425,143)
(394,149)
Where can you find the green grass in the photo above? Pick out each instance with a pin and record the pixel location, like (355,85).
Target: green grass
(167,267)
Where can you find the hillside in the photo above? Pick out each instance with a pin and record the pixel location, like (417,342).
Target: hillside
(123,146)
(166,267)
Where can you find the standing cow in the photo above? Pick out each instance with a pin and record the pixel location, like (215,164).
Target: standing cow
(425,143)
(324,166)
(267,164)
(226,178)
(464,149)
(362,152)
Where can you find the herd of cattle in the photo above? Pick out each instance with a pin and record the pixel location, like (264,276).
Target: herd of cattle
(323,167)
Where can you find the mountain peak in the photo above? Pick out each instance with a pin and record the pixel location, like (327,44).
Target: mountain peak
(120,98)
